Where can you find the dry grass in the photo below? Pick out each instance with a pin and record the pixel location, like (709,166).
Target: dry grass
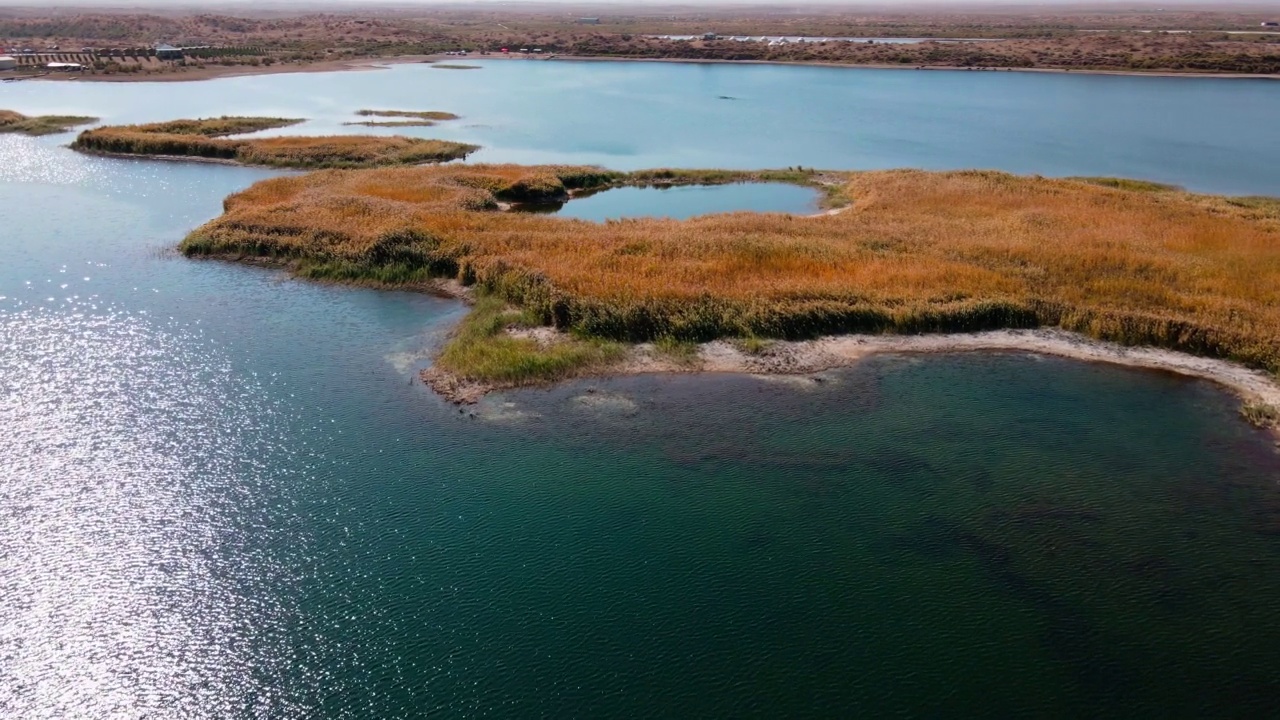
(918,252)
(15,122)
(208,138)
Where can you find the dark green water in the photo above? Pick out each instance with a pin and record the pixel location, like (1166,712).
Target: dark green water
(960,536)
(223,495)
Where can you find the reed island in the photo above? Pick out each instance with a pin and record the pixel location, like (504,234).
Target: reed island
(16,122)
(211,140)
(902,255)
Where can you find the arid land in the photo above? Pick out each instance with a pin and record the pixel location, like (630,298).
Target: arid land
(121,45)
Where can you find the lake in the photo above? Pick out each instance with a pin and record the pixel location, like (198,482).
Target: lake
(223,494)
(1206,134)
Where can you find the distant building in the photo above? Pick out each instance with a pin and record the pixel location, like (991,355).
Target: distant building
(8,63)
(169,52)
(588,21)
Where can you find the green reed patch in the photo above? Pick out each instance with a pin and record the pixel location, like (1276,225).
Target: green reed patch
(1261,414)
(416,114)
(15,122)
(482,349)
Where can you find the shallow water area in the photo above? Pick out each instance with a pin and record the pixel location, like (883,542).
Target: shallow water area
(682,202)
(979,533)
(224,493)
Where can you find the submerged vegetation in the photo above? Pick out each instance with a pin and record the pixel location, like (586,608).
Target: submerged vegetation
(210,139)
(392,123)
(15,122)
(916,252)
(421,115)
(416,119)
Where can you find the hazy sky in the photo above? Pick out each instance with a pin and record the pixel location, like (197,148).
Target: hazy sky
(622,5)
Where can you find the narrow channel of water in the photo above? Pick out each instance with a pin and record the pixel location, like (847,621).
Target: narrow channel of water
(681,203)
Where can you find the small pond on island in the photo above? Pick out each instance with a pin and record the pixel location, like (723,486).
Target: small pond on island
(682,202)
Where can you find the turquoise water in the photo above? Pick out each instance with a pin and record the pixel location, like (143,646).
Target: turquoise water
(223,494)
(1207,134)
(681,203)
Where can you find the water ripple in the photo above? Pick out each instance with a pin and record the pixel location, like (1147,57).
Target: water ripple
(134,525)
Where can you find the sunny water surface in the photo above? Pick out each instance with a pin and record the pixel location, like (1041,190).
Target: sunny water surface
(222,495)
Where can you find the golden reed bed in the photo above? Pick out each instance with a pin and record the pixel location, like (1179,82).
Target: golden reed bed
(916,252)
(209,139)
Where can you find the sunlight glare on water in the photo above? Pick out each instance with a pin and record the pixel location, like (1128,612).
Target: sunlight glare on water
(28,160)
(136,576)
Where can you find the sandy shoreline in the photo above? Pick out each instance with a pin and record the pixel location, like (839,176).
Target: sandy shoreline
(812,356)
(366,64)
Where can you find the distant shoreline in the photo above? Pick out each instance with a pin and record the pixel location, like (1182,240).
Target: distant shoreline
(219,72)
(366,64)
(887,66)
